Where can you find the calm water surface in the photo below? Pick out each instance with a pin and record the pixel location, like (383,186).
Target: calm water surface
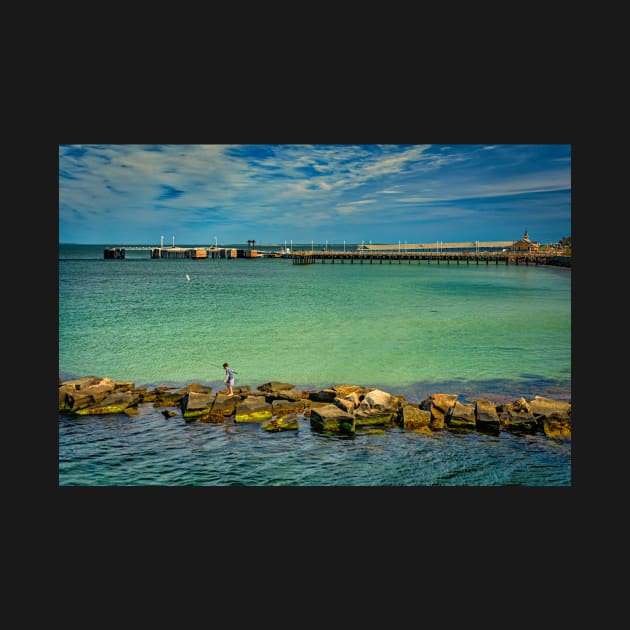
(412,329)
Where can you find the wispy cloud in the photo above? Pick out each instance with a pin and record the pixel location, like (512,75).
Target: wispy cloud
(134,193)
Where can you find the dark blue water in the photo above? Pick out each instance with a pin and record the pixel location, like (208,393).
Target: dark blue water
(152,450)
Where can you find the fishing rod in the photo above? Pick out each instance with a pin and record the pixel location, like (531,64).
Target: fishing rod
(221,367)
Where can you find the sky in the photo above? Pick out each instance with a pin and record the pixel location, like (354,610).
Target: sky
(207,194)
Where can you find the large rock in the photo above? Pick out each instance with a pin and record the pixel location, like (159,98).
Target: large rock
(378,407)
(197,388)
(238,391)
(347,403)
(555,425)
(209,415)
(253,409)
(285,407)
(281,423)
(378,399)
(147,396)
(293,395)
(125,386)
(486,414)
(368,417)
(224,404)
(541,406)
(78,384)
(331,419)
(439,406)
(167,397)
(516,417)
(117,402)
(196,404)
(414,418)
(274,386)
(345,390)
(461,416)
(74,400)
(322,395)
(83,393)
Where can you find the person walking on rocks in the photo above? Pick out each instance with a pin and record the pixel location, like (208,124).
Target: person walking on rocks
(229,379)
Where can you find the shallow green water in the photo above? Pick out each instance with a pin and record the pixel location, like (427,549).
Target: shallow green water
(390,325)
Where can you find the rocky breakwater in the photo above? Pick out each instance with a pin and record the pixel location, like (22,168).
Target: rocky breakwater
(340,409)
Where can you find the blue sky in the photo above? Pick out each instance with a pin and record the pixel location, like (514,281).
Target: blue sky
(124,194)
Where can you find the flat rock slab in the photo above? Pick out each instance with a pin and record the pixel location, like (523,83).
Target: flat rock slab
(281,423)
(253,409)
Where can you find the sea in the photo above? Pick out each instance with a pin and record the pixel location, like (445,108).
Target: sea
(409,328)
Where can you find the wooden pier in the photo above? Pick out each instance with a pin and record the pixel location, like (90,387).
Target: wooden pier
(466,258)
(373,254)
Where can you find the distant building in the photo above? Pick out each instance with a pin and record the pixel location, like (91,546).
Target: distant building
(525,245)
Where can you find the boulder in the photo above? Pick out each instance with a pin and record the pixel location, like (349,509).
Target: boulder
(281,423)
(240,391)
(346,404)
(354,398)
(286,394)
(285,407)
(330,419)
(516,417)
(224,404)
(367,417)
(125,386)
(117,402)
(378,399)
(210,415)
(414,418)
(252,409)
(461,416)
(541,406)
(556,425)
(148,396)
(274,386)
(322,395)
(167,397)
(87,395)
(81,383)
(439,406)
(486,416)
(378,407)
(196,404)
(197,388)
(344,390)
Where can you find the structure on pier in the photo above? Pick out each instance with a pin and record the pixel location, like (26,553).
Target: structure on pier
(194,252)
(525,245)
(179,252)
(114,252)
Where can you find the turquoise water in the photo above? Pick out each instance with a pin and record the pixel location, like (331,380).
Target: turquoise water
(412,329)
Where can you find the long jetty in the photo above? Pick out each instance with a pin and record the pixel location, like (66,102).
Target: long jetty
(467,258)
(378,254)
